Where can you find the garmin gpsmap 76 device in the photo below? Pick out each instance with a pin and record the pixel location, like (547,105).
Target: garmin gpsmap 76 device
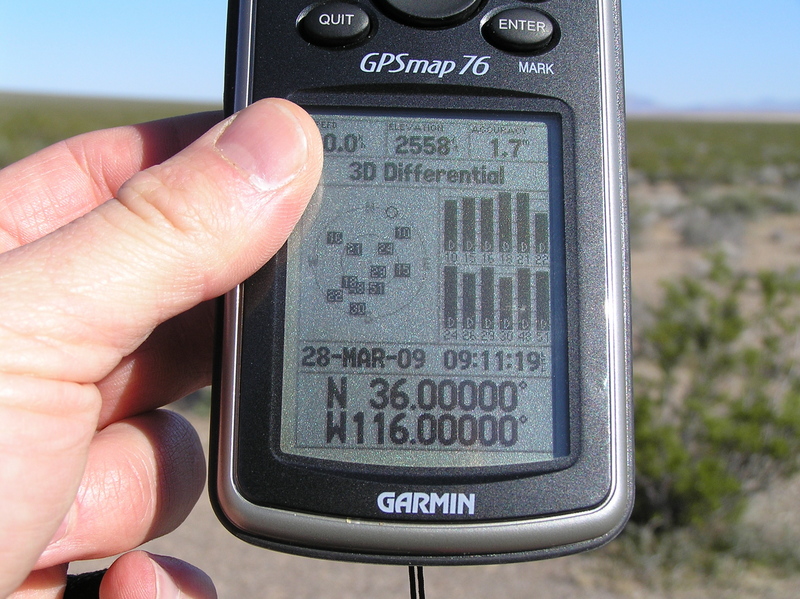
(435,367)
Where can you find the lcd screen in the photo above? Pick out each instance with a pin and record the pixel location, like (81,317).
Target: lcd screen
(425,294)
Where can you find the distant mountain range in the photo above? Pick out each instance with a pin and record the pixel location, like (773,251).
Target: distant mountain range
(640,105)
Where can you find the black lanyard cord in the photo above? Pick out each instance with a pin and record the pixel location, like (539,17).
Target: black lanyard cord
(416,582)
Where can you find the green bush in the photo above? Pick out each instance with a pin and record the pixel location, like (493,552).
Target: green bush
(694,153)
(717,398)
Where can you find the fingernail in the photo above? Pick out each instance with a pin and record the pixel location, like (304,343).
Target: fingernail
(165,585)
(61,532)
(267,142)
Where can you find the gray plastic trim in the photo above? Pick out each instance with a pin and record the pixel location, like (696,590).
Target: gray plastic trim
(244,52)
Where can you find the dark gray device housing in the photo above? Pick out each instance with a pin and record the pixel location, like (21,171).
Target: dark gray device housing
(409,480)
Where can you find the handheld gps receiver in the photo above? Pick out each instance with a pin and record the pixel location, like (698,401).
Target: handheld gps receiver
(435,368)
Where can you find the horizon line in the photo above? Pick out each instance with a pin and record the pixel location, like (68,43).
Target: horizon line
(721,114)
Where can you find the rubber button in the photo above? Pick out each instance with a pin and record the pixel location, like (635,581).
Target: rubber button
(432,13)
(519,30)
(334,24)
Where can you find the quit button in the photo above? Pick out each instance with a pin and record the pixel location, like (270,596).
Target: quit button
(519,30)
(334,24)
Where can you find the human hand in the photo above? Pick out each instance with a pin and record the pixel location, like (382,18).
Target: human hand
(105,316)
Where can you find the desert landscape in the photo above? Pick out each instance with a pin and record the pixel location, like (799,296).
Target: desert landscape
(701,186)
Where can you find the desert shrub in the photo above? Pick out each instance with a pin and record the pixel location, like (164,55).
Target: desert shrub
(693,153)
(714,216)
(717,399)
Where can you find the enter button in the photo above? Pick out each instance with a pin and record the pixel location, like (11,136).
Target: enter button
(519,30)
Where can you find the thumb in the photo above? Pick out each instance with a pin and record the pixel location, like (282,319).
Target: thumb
(177,234)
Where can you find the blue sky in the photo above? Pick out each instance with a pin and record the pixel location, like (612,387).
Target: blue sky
(679,54)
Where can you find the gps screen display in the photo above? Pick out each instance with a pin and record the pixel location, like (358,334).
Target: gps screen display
(425,294)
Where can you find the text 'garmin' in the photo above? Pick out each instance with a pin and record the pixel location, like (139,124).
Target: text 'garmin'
(426,503)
